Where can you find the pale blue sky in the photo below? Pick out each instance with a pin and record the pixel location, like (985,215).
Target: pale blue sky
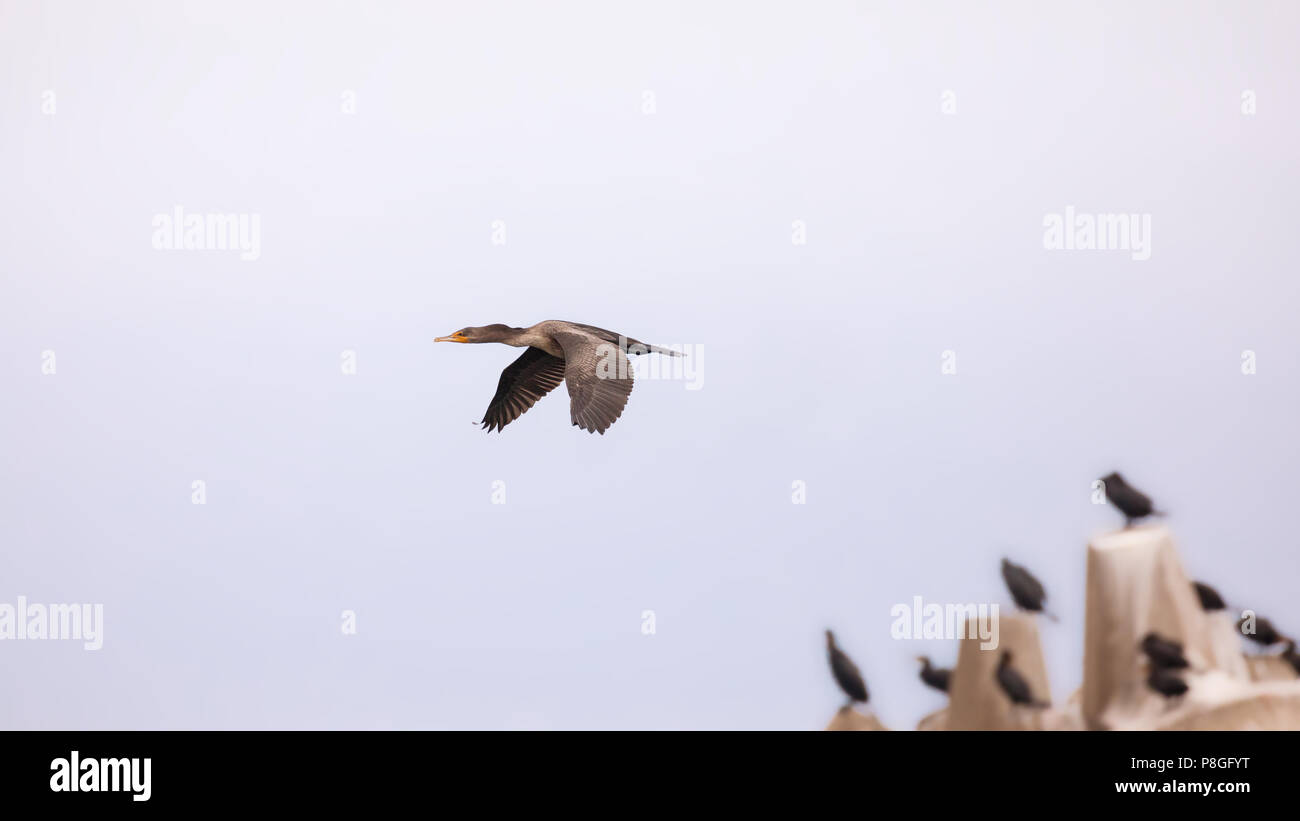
(372,492)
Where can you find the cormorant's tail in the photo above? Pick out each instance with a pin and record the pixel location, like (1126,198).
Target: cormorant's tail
(1050,615)
(635,347)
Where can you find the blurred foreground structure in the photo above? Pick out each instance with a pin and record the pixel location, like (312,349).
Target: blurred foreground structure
(1136,584)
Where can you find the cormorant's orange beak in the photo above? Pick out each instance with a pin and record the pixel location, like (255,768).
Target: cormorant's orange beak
(456,337)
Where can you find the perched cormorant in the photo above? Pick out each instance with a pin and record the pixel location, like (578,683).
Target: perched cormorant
(1163,652)
(846,672)
(591,361)
(1265,633)
(1210,598)
(1133,503)
(1166,682)
(1291,656)
(936,677)
(1025,589)
(1014,684)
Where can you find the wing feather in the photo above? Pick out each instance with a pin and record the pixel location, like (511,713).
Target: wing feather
(599,378)
(530,377)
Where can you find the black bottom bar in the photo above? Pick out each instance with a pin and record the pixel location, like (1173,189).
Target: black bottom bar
(328,769)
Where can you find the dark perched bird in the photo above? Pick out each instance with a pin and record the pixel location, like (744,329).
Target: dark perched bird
(1133,503)
(1290,656)
(936,677)
(1209,597)
(1166,682)
(1164,652)
(1264,634)
(846,672)
(1014,684)
(1027,591)
(591,361)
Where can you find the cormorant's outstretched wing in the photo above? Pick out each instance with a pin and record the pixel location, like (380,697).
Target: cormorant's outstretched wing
(523,382)
(599,377)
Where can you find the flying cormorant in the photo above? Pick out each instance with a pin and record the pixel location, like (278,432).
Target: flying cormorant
(591,361)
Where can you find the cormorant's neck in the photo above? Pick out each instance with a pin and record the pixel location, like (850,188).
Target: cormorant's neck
(516,337)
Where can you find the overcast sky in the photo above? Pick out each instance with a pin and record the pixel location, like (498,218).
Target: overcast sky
(821,199)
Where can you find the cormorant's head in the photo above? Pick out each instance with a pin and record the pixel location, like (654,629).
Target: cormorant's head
(830,639)
(459,336)
(486,333)
(924,660)
(1113,478)
(1006,658)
